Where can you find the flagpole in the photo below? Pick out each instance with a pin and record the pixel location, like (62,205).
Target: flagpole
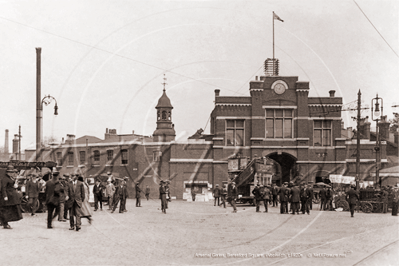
(273,44)
(273,38)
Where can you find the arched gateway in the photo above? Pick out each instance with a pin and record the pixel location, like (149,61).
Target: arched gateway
(287,169)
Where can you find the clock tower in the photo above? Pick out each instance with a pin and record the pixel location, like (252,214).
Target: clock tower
(165,131)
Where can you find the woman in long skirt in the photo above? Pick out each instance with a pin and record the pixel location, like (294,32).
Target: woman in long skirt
(86,210)
(10,209)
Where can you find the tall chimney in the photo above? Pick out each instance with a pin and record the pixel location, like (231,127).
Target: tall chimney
(6,142)
(38,103)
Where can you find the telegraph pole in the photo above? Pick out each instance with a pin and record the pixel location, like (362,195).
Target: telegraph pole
(38,104)
(359,95)
(19,142)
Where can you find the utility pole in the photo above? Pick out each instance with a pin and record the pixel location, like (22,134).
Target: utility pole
(359,95)
(19,142)
(38,104)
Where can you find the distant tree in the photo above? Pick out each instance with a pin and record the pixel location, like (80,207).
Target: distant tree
(394,123)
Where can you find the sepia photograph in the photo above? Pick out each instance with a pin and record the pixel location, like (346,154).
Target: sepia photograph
(199,132)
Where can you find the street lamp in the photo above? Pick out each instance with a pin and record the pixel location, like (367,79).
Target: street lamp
(46,101)
(376,115)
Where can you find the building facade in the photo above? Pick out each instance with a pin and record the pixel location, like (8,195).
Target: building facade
(278,120)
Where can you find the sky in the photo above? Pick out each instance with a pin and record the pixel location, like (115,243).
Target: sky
(104,61)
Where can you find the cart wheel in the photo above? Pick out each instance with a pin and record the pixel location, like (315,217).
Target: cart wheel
(342,204)
(24,204)
(367,207)
(377,207)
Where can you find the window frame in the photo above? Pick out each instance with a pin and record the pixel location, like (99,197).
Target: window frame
(323,129)
(59,158)
(96,156)
(110,158)
(234,129)
(124,161)
(281,119)
(80,157)
(71,158)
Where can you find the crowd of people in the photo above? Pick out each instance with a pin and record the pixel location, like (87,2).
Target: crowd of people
(298,198)
(67,197)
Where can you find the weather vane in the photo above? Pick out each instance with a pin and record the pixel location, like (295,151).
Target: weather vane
(164,82)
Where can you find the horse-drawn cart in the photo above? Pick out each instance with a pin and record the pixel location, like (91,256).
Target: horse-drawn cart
(370,200)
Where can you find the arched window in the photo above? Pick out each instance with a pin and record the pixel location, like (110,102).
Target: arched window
(168,115)
(163,115)
(159,115)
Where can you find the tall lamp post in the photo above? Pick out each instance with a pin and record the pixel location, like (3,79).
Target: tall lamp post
(46,101)
(376,115)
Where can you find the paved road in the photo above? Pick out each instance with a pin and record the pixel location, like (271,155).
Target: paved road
(197,233)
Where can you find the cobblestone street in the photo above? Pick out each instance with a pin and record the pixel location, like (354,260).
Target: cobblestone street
(194,233)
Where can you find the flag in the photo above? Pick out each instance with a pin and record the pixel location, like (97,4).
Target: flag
(277,17)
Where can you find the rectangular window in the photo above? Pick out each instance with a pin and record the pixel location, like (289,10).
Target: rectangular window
(96,155)
(235,132)
(110,155)
(124,156)
(279,123)
(82,157)
(59,158)
(322,132)
(70,158)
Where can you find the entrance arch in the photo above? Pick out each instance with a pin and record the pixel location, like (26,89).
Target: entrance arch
(287,170)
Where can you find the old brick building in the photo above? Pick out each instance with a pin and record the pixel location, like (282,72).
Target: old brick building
(278,120)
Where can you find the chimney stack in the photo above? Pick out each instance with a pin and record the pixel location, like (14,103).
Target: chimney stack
(332,93)
(217,92)
(6,141)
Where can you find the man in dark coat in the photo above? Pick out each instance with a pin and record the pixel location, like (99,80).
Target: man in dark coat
(32,193)
(63,197)
(223,196)
(266,195)
(323,199)
(310,201)
(232,196)
(9,198)
(274,192)
(216,194)
(295,198)
(193,192)
(384,198)
(138,195)
(147,192)
(352,196)
(283,198)
(162,196)
(76,196)
(305,198)
(329,197)
(98,195)
(120,195)
(258,197)
(53,191)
